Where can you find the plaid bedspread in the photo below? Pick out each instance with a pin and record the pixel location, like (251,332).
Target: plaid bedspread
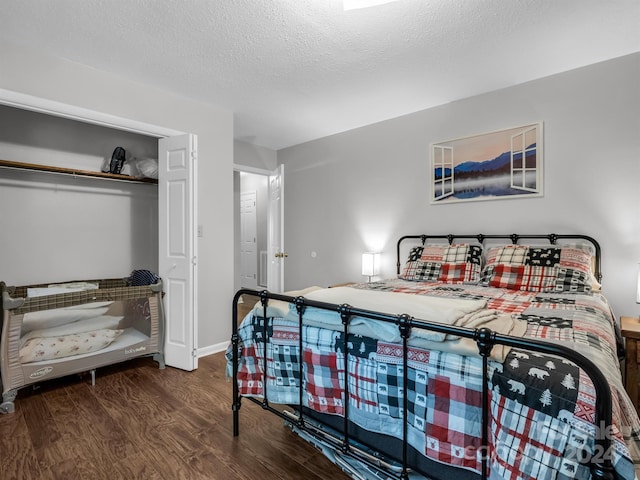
(542,407)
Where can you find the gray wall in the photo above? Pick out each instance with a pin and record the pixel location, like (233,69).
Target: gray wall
(34,73)
(362,189)
(60,227)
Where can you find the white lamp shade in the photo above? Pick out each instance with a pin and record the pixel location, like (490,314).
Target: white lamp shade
(370,264)
(355,4)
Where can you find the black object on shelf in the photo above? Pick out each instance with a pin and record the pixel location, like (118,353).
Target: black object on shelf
(117,160)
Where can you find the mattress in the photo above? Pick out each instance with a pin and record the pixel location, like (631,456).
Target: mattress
(52,330)
(541,406)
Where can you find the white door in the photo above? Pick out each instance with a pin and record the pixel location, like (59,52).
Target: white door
(248,244)
(178,248)
(277,255)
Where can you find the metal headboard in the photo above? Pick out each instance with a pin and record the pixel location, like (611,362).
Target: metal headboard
(552,238)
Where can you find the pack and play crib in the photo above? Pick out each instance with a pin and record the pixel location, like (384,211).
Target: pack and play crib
(53,330)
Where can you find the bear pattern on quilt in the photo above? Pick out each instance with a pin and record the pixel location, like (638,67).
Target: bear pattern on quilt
(542,408)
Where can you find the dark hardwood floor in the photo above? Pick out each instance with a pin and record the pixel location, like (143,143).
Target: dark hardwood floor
(139,422)
(248,302)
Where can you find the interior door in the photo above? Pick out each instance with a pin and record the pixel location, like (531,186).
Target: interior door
(275,245)
(178,247)
(248,243)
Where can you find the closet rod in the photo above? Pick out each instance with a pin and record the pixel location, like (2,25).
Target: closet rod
(74,172)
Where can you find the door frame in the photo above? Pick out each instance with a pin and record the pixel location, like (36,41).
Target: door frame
(256,171)
(275,241)
(80,114)
(72,112)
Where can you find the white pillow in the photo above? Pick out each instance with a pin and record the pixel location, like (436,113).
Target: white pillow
(55,289)
(104,322)
(50,348)
(60,316)
(148,167)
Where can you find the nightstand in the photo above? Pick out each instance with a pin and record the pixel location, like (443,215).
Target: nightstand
(631,333)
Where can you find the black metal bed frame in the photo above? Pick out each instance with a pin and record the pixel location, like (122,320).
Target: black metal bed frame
(484,338)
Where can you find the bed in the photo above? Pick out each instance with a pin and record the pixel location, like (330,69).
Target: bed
(509,352)
(54,330)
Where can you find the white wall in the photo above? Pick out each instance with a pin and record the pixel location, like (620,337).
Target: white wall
(363,189)
(254,156)
(33,73)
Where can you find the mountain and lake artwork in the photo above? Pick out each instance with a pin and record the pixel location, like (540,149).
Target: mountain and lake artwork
(503,164)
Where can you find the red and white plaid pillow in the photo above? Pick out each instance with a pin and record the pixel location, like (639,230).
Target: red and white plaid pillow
(553,268)
(457,263)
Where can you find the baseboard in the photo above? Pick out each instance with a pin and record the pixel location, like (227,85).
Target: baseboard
(211,349)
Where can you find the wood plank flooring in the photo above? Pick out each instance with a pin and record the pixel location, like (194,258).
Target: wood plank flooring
(139,422)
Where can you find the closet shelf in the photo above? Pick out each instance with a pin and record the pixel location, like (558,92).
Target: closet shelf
(73,171)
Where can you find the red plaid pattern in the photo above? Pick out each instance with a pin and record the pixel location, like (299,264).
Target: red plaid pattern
(324,377)
(458,263)
(540,269)
(522,277)
(250,372)
(362,384)
(516,303)
(550,333)
(458,272)
(525,440)
(508,254)
(449,437)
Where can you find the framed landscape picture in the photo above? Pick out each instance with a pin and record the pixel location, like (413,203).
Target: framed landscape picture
(490,166)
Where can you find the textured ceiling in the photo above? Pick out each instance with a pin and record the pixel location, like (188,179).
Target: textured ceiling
(296,70)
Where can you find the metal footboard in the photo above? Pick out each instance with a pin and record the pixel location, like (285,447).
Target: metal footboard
(601,467)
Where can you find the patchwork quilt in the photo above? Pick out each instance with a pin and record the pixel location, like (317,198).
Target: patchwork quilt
(542,407)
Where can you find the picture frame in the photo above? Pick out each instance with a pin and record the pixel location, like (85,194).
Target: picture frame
(502,164)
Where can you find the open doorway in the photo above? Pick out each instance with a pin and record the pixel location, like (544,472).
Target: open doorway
(251,229)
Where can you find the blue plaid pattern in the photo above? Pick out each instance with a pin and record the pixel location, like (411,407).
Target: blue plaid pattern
(530,439)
